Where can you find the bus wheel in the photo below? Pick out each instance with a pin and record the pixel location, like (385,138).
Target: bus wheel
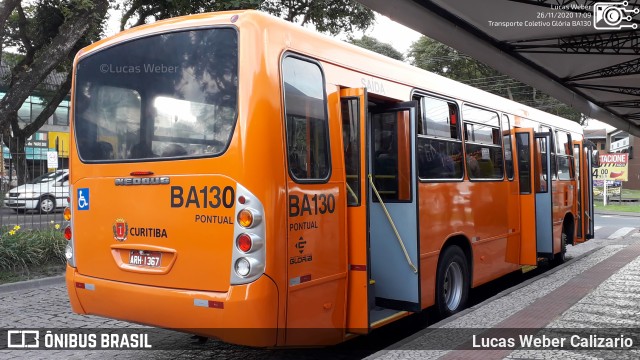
(452,283)
(561,257)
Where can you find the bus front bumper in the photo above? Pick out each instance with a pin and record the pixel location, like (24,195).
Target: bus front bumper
(245,315)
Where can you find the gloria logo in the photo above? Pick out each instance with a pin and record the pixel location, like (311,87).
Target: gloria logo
(120,230)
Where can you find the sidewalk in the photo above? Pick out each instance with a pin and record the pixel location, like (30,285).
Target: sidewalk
(617,213)
(597,291)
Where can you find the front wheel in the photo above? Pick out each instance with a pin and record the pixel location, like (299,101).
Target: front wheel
(561,257)
(452,282)
(46,205)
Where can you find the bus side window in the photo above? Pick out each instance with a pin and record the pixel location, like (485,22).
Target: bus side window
(483,144)
(564,155)
(306,120)
(385,154)
(439,149)
(523,149)
(506,140)
(351,140)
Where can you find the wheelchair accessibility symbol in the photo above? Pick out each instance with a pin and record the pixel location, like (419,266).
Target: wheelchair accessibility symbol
(83,199)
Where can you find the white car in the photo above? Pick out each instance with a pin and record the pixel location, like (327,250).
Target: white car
(45,193)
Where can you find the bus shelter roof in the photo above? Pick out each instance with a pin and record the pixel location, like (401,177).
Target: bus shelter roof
(577,51)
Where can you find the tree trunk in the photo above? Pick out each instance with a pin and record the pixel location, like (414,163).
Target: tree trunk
(19,160)
(47,59)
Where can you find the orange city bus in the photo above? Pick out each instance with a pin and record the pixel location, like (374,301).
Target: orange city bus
(239,177)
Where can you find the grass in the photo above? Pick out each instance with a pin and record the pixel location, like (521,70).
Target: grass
(614,206)
(31,254)
(613,203)
(630,194)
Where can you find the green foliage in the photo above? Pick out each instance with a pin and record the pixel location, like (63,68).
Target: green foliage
(144,10)
(24,249)
(11,58)
(443,60)
(42,22)
(327,16)
(375,45)
(613,205)
(47,34)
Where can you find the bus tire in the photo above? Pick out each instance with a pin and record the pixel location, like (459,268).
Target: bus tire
(452,281)
(47,204)
(561,257)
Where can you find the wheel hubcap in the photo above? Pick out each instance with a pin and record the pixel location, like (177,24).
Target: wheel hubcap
(453,286)
(47,205)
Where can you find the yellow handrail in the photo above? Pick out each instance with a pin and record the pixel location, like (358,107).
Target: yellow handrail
(351,191)
(395,230)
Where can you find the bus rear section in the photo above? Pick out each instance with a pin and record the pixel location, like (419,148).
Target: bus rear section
(163,230)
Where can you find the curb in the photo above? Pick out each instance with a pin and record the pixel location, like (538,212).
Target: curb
(617,213)
(475,307)
(32,284)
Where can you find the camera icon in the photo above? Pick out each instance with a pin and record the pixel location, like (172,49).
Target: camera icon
(610,15)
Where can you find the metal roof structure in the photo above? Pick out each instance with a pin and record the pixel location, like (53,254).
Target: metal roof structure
(584,53)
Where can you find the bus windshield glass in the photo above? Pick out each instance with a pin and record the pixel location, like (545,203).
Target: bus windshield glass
(160,97)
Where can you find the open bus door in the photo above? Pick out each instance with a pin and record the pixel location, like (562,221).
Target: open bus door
(590,159)
(534,174)
(584,182)
(353,104)
(392,203)
(383,274)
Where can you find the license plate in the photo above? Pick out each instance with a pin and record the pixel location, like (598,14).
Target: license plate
(145,258)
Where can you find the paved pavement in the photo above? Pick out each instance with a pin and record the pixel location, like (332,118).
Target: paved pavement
(597,292)
(597,288)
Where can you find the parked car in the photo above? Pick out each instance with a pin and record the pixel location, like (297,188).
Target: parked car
(45,193)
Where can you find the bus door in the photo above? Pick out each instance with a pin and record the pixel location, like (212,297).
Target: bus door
(353,105)
(544,195)
(534,175)
(392,203)
(316,254)
(584,195)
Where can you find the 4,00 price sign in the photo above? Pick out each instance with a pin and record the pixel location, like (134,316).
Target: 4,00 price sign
(612,167)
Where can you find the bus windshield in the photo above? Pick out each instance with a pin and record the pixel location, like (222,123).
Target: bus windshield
(160,97)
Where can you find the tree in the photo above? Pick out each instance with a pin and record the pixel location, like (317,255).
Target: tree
(375,45)
(443,60)
(47,33)
(141,11)
(329,16)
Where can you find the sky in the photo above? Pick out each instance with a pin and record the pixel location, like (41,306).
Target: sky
(390,32)
(595,124)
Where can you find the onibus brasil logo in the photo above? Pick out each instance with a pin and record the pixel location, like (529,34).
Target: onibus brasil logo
(613,15)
